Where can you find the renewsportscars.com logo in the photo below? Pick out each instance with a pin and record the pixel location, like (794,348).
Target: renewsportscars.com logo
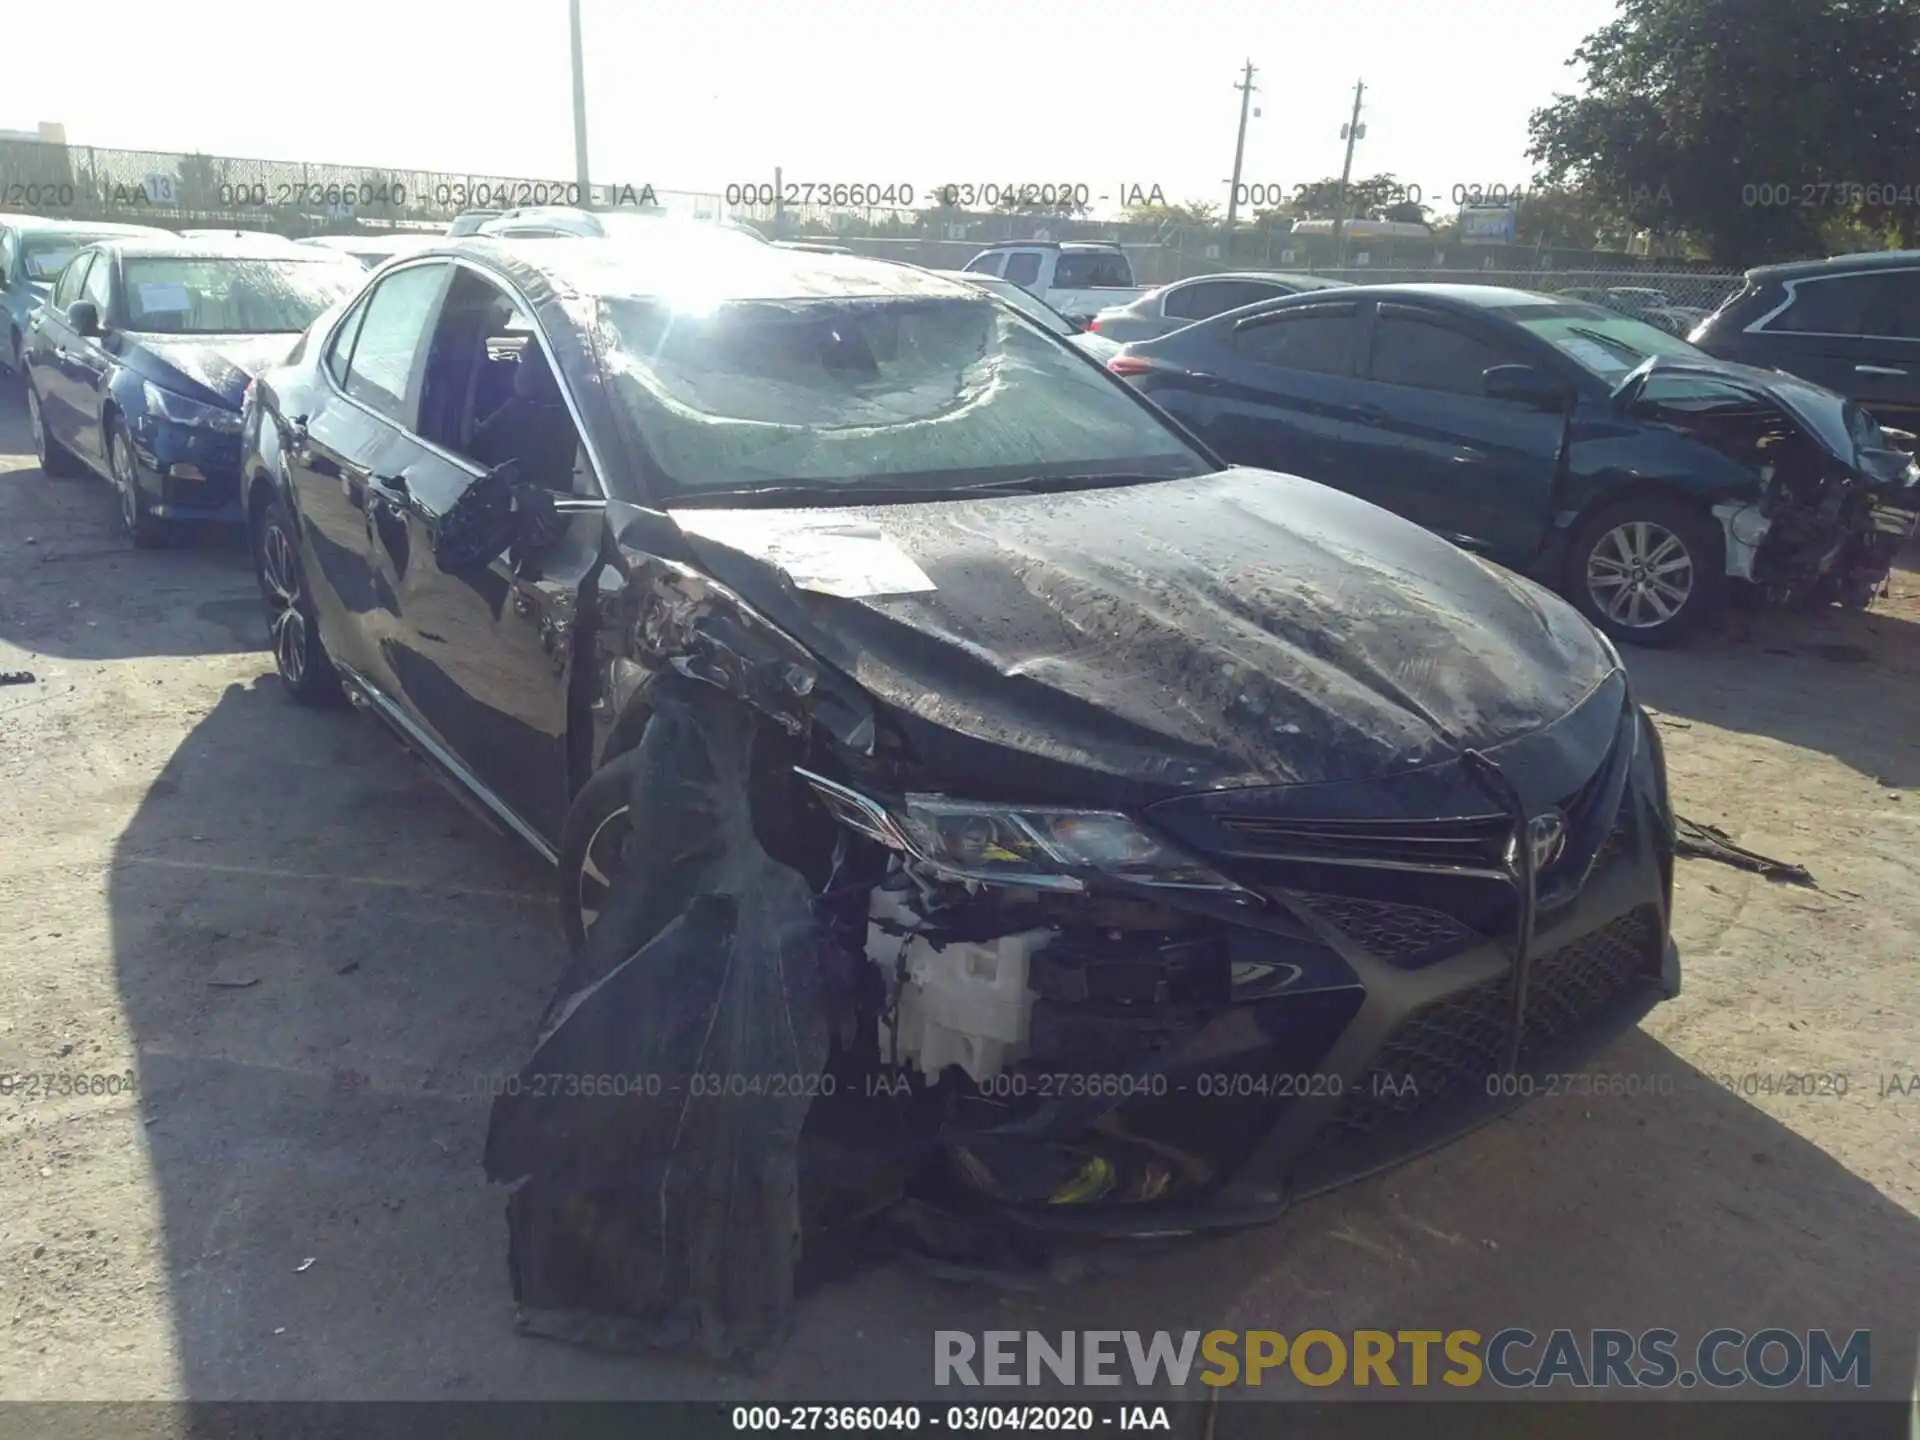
(1513,1358)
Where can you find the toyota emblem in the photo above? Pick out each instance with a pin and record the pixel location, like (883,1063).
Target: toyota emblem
(1546,838)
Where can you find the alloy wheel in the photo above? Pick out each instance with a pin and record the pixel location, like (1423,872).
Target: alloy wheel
(120,459)
(1640,574)
(286,622)
(599,862)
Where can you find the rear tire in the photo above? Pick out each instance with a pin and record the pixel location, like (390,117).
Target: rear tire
(592,845)
(55,459)
(293,633)
(1647,570)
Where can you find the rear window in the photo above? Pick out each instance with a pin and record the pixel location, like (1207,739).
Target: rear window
(1092,270)
(930,393)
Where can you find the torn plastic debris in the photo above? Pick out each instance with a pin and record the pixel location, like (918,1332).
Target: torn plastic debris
(667,1212)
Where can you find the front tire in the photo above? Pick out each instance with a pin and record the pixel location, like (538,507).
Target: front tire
(592,845)
(55,459)
(1647,571)
(293,632)
(147,531)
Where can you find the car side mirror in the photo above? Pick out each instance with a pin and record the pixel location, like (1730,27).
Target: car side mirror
(1524,385)
(84,317)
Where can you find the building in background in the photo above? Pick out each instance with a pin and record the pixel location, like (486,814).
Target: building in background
(50,131)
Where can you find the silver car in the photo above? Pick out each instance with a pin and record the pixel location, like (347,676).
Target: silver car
(1201,297)
(1038,311)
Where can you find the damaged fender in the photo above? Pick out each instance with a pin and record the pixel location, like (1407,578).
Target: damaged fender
(652,1139)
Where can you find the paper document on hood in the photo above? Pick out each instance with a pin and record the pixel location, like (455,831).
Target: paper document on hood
(850,559)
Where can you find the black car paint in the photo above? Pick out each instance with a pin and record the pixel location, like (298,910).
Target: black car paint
(1499,477)
(1879,372)
(1238,642)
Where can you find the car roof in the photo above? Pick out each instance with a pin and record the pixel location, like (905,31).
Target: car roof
(647,267)
(351,243)
(1322,282)
(1464,297)
(1836,265)
(78,227)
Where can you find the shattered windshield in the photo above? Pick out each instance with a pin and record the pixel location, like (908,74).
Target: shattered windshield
(928,393)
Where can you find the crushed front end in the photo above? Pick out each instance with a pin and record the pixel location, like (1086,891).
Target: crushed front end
(1251,994)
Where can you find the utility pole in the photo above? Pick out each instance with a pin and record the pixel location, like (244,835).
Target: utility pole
(1246,88)
(1350,132)
(581,173)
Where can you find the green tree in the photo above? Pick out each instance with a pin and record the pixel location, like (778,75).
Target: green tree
(1745,124)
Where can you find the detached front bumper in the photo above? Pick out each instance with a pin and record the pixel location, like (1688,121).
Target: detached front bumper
(191,473)
(1367,1028)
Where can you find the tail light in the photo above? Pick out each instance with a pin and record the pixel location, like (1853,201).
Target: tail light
(1129,365)
(1094,323)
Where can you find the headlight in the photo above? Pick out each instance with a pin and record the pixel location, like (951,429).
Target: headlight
(1041,847)
(182,411)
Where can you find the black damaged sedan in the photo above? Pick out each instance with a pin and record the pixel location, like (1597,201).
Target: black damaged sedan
(971,800)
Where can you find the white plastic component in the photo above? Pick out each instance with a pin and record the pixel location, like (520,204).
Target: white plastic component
(964,1004)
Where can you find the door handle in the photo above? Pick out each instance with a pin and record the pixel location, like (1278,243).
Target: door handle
(392,487)
(1878,370)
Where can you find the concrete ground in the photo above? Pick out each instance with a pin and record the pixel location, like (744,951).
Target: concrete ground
(311,959)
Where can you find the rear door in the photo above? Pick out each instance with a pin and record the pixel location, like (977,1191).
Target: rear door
(371,383)
(1858,334)
(1439,450)
(1276,391)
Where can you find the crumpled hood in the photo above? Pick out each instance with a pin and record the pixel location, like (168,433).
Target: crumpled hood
(1836,424)
(213,369)
(1244,628)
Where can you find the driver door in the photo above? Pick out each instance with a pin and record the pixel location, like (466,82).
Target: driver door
(482,654)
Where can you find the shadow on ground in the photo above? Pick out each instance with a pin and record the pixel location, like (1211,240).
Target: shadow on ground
(322,959)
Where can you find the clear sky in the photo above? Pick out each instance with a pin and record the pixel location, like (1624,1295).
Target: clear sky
(695,95)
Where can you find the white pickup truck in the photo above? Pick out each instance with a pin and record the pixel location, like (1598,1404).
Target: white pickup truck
(1077,278)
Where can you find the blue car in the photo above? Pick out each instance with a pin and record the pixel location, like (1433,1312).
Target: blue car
(33,252)
(137,364)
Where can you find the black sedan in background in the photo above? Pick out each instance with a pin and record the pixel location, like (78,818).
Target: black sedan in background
(1604,457)
(850,644)
(137,363)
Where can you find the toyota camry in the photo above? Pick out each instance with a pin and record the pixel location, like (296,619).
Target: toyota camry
(967,793)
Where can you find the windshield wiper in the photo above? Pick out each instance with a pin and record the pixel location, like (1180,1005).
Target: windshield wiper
(1612,342)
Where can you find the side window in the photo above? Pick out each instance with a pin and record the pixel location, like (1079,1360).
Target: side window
(98,287)
(489,395)
(1880,303)
(1428,354)
(68,289)
(988,264)
(1320,340)
(1216,297)
(1023,268)
(392,335)
(341,350)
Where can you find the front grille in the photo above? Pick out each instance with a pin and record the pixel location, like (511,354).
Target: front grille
(1476,842)
(1447,1050)
(1402,935)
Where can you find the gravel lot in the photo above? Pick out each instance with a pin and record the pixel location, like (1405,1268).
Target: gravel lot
(310,955)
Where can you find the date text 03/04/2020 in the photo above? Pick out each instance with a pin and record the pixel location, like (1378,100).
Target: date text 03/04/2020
(955,1419)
